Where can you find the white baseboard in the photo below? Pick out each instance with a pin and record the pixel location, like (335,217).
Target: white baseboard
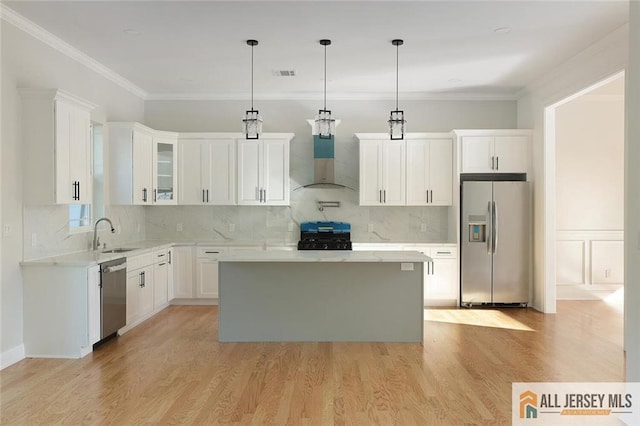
(11,356)
(585,292)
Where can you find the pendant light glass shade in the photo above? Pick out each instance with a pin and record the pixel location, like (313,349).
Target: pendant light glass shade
(252,122)
(325,125)
(396,118)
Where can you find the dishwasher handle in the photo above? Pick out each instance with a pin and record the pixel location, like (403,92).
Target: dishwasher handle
(114,268)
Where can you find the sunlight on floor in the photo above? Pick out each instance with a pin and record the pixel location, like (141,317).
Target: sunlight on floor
(616,299)
(479,317)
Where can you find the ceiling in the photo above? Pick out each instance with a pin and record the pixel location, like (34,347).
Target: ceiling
(193,50)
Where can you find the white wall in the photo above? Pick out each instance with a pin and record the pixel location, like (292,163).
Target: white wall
(601,60)
(27,62)
(590,160)
(632,199)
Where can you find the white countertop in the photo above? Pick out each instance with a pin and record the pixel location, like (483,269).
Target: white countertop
(262,252)
(323,256)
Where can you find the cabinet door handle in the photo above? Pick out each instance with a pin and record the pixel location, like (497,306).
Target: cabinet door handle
(212,252)
(385,196)
(78,191)
(497,163)
(162,255)
(144,195)
(141,284)
(264,195)
(431,192)
(144,279)
(162,264)
(380,196)
(492,162)
(155,195)
(207,195)
(169,257)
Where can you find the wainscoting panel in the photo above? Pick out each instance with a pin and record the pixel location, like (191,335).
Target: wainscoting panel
(589,264)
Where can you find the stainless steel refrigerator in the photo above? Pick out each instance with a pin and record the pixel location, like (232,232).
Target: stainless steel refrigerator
(495,247)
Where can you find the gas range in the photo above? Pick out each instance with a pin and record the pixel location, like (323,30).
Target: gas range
(325,236)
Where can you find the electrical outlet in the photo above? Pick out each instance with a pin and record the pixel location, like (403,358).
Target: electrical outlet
(370,227)
(34,240)
(423,227)
(179,227)
(232,227)
(6,229)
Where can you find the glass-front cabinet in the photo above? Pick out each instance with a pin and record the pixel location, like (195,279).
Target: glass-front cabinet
(165,170)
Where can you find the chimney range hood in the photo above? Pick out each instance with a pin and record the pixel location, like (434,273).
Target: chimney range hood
(324,163)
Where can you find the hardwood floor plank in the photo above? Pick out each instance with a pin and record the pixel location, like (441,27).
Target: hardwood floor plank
(172,370)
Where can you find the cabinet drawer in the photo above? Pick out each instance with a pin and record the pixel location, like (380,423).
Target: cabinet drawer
(209,252)
(444,252)
(140,261)
(161,255)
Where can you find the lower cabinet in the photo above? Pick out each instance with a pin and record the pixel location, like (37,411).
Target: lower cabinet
(148,279)
(61,310)
(139,293)
(182,262)
(441,277)
(206,278)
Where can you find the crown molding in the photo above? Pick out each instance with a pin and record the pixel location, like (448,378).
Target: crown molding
(14,18)
(414,96)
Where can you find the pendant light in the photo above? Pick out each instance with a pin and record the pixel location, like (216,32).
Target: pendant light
(396,118)
(325,125)
(252,122)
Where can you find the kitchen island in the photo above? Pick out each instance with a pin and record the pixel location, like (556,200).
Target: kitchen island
(286,296)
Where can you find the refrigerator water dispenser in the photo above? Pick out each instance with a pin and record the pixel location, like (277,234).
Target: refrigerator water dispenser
(477,229)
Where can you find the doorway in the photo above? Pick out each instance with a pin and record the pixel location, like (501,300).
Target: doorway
(584,165)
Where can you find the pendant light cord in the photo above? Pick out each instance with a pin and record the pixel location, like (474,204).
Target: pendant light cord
(397,57)
(252,77)
(325,77)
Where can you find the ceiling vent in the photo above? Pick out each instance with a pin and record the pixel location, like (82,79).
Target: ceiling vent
(284,73)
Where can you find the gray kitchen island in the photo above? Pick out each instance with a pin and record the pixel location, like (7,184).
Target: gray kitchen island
(288,296)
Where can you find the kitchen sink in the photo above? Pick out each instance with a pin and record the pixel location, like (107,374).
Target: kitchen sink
(118,250)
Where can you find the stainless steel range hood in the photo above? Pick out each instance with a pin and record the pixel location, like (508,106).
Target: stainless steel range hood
(324,163)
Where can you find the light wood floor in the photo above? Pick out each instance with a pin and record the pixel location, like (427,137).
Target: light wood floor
(172,370)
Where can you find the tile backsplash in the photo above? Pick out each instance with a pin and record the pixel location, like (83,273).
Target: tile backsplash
(281,225)
(50,224)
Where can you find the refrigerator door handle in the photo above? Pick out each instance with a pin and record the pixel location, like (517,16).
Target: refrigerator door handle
(489,235)
(494,227)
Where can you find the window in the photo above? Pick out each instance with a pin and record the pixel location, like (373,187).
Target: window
(79,216)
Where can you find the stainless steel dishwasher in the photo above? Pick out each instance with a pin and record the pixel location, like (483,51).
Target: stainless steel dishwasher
(113,296)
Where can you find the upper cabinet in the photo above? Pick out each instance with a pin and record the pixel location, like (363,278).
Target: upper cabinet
(430,171)
(56,130)
(415,171)
(382,172)
(494,151)
(263,170)
(142,164)
(207,170)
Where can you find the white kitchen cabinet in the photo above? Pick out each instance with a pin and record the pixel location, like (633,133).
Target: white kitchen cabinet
(182,261)
(142,165)
(61,310)
(207,272)
(263,172)
(161,277)
(165,170)
(207,171)
(147,286)
(430,172)
(94,307)
(382,172)
(442,280)
(441,286)
(494,151)
(56,134)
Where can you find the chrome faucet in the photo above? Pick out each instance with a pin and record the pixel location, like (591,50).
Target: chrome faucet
(96,240)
